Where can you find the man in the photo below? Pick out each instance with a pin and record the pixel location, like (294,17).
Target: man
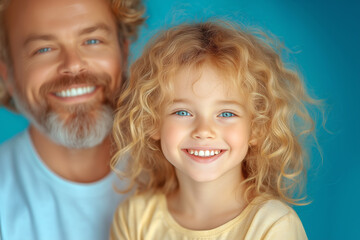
(62,65)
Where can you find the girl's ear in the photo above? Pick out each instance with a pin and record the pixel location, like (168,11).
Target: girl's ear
(5,77)
(256,133)
(253,142)
(156,136)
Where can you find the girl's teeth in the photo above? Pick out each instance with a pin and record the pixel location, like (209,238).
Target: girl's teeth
(74,92)
(203,153)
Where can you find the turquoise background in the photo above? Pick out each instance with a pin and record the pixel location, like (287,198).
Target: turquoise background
(325,39)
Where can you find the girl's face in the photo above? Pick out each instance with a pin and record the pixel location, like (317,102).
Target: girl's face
(205,131)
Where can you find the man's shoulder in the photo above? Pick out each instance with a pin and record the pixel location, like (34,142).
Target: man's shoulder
(12,153)
(14,143)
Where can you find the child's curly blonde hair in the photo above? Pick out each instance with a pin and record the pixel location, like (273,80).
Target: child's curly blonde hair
(275,166)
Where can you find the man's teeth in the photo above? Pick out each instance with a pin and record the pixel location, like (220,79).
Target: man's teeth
(204,153)
(74,92)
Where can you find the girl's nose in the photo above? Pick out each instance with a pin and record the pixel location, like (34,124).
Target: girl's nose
(204,129)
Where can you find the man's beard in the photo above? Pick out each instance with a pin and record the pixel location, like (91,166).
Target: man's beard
(86,124)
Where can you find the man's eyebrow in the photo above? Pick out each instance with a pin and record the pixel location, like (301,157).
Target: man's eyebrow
(37,37)
(50,37)
(99,26)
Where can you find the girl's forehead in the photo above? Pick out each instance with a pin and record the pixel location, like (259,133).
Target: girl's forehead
(208,77)
(208,72)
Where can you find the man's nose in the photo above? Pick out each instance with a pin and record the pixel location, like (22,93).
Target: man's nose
(204,129)
(73,62)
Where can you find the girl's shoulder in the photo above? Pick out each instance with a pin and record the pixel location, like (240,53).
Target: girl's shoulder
(142,202)
(147,197)
(271,207)
(275,218)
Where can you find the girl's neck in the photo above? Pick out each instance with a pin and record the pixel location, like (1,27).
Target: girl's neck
(204,206)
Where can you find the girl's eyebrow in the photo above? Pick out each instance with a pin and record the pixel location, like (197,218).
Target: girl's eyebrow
(218,103)
(181,100)
(230,102)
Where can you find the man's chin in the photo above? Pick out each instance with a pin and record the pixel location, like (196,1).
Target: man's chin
(74,109)
(73,126)
(81,129)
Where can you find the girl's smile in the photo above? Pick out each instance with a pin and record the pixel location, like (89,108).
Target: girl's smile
(205,155)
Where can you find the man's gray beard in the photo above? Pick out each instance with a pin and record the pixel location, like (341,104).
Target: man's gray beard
(83,131)
(92,132)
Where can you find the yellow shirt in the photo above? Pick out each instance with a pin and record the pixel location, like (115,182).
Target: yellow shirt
(146,217)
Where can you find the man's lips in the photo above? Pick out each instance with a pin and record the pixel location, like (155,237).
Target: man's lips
(75,91)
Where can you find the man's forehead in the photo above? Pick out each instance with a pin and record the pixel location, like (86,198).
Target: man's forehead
(53,9)
(45,16)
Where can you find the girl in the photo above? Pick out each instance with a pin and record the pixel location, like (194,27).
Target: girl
(209,119)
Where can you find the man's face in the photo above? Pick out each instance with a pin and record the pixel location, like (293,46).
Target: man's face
(66,67)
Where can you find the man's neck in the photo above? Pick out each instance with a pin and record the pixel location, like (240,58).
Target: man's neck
(77,165)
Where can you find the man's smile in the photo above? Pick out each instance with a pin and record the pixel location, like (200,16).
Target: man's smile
(75,91)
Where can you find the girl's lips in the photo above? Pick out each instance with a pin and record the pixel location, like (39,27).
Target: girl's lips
(204,155)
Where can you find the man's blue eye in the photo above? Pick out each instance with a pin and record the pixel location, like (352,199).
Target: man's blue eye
(92,41)
(226,114)
(182,113)
(43,50)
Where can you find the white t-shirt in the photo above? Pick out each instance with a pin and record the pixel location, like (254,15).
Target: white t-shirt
(36,204)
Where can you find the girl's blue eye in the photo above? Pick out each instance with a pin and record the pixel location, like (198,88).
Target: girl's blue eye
(43,50)
(92,41)
(226,114)
(182,113)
